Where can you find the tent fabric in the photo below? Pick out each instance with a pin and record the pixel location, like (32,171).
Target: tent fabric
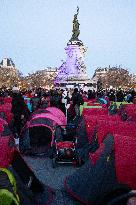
(112,164)
(95,111)
(125,159)
(6,174)
(82,108)
(93,104)
(90,130)
(40,111)
(86,185)
(4,128)
(37,193)
(34,140)
(130,110)
(1,128)
(41,121)
(120,128)
(55,119)
(95,156)
(8,189)
(7,144)
(118,195)
(11,158)
(39,138)
(44,119)
(6,152)
(7,100)
(24,172)
(5,110)
(81,135)
(7,198)
(58,113)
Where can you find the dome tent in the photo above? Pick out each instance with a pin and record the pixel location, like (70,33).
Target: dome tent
(38,134)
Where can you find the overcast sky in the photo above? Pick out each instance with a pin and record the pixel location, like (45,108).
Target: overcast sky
(34,33)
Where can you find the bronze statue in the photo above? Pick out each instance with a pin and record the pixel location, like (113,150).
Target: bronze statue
(75,30)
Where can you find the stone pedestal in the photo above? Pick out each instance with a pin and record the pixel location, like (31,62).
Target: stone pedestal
(74,68)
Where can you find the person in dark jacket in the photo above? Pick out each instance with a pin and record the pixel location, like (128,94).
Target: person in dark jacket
(77,100)
(112,95)
(90,94)
(55,99)
(120,96)
(45,100)
(35,102)
(20,112)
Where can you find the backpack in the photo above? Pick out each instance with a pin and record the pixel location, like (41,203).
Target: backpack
(8,189)
(13,191)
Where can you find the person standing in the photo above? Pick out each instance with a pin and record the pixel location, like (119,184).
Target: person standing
(35,102)
(77,100)
(20,113)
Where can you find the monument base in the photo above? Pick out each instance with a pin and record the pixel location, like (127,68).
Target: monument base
(76,83)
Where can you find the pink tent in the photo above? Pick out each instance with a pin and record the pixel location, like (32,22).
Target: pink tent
(58,113)
(38,133)
(6,144)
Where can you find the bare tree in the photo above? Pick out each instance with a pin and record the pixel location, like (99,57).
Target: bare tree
(116,77)
(9,77)
(41,78)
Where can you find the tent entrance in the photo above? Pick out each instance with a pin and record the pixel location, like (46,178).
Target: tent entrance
(40,138)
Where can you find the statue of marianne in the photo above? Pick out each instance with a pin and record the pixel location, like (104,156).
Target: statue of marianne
(75,30)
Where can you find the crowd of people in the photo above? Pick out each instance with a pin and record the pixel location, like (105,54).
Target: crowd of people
(26,102)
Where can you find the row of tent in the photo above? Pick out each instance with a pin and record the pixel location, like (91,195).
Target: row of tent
(18,183)
(39,129)
(15,174)
(111,165)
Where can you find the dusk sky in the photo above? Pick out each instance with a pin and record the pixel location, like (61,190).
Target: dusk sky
(34,33)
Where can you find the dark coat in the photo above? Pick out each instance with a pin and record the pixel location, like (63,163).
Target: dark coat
(77,99)
(19,108)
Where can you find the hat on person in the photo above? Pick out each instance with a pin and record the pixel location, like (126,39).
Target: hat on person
(15,89)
